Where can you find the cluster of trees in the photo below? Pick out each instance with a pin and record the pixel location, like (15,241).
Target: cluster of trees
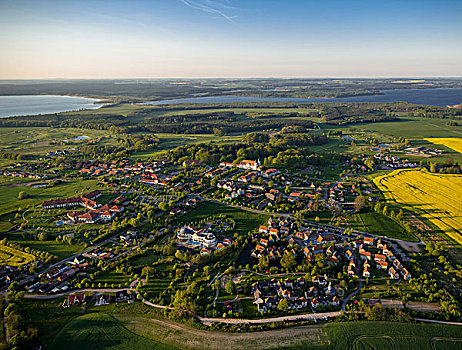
(384,210)
(341,114)
(449,167)
(44,256)
(427,285)
(21,335)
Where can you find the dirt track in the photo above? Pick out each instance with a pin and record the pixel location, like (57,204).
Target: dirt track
(179,335)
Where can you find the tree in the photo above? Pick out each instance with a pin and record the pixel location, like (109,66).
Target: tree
(385,210)
(283,304)
(22,195)
(360,202)
(230,287)
(288,261)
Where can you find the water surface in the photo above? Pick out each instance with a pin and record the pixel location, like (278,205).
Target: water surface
(432,97)
(43,104)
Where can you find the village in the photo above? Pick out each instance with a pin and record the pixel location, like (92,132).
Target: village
(291,260)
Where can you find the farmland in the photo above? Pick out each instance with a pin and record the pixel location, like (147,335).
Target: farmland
(13,257)
(453,143)
(100,331)
(184,337)
(436,197)
(388,335)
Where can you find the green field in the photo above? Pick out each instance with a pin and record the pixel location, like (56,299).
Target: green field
(60,249)
(379,224)
(414,128)
(9,195)
(100,331)
(14,257)
(109,278)
(388,335)
(245,220)
(40,140)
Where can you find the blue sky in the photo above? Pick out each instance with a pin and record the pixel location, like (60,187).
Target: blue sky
(230,38)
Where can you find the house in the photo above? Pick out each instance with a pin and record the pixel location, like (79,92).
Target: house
(348,254)
(123,296)
(406,274)
(89,218)
(379,257)
(366,272)
(175,211)
(382,265)
(318,250)
(314,303)
(269,173)
(365,255)
(261,305)
(103,300)
(369,240)
(295,196)
(107,215)
(393,274)
(191,163)
(249,164)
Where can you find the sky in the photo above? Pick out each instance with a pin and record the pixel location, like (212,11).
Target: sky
(230,38)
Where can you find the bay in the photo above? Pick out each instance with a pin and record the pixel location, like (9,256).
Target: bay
(43,104)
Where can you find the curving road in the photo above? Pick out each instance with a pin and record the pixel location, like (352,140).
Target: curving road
(305,317)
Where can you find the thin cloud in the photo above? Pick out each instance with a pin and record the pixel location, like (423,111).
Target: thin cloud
(211,7)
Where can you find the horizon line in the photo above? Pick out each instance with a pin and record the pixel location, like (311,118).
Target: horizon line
(240,78)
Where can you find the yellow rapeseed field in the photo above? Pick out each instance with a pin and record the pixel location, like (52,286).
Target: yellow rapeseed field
(453,142)
(14,257)
(437,197)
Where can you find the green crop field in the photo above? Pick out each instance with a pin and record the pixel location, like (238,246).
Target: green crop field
(101,331)
(388,335)
(415,128)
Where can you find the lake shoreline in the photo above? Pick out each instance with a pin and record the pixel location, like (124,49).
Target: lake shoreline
(44,104)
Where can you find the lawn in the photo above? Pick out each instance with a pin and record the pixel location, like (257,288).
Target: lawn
(379,224)
(246,221)
(101,331)
(436,197)
(13,257)
(9,195)
(60,249)
(155,286)
(109,278)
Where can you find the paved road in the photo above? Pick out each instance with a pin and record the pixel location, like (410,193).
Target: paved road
(87,290)
(311,317)
(357,290)
(436,321)
(30,278)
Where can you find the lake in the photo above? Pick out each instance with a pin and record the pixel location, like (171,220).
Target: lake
(432,97)
(43,104)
